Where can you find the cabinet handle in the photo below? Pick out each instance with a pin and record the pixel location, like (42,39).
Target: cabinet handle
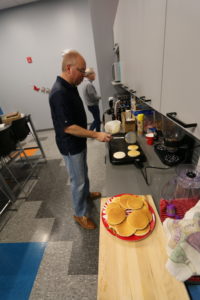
(172,116)
(147,100)
(132,91)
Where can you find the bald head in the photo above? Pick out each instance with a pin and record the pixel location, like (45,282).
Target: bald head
(73,67)
(70,58)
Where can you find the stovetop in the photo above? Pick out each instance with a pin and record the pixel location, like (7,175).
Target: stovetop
(167,157)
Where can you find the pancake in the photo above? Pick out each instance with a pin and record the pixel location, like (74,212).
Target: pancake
(135,202)
(116,200)
(123,201)
(124,229)
(116,215)
(133,147)
(133,153)
(138,219)
(119,155)
(146,210)
(143,231)
(111,205)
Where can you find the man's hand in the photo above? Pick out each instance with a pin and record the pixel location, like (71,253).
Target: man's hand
(82,132)
(103,136)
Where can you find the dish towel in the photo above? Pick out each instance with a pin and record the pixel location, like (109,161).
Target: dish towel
(183,244)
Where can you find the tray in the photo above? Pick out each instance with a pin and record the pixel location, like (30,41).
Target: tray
(120,144)
(132,237)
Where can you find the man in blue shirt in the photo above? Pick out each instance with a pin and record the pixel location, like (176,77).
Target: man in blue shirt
(70,123)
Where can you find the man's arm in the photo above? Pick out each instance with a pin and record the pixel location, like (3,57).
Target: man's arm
(82,132)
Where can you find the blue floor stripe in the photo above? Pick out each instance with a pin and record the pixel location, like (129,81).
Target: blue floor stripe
(19,263)
(194,291)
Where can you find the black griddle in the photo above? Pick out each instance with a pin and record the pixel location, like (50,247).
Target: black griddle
(119,144)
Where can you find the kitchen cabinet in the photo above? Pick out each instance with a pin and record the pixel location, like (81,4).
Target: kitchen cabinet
(181,69)
(139,30)
(160,54)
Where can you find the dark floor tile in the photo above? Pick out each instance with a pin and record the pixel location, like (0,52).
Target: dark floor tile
(84,256)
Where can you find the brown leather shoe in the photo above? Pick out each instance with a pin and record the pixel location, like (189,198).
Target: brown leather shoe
(85,222)
(94,195)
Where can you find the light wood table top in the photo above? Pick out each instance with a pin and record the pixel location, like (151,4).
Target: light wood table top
(130,270)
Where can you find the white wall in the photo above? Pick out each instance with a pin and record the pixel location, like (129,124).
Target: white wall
(40,30)
(102,16)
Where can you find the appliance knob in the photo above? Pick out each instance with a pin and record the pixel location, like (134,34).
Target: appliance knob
(190,174)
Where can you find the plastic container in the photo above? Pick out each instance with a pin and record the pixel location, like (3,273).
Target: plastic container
(113,127)
(182,188)
(140,122)
(186,184)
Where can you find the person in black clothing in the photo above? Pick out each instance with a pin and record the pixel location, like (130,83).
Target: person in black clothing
(70,123)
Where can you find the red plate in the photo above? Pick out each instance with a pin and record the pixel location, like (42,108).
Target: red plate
(132,237)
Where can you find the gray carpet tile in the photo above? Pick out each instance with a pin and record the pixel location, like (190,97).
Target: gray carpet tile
(70,264)
(24,227)
(54,282)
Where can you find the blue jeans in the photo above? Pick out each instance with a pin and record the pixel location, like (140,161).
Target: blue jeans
(94,109)
(78,172)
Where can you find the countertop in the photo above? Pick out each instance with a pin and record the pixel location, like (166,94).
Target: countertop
(129,179)
(131,270)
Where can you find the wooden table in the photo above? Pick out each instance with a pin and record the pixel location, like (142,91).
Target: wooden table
(131,270)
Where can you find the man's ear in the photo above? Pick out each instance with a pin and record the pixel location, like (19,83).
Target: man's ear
(68,68)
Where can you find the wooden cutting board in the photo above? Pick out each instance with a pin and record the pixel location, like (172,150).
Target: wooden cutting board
(130,270)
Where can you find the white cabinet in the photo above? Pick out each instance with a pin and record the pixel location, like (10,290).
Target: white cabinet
(139,30)
(181,71)
(160,54)
(151,50)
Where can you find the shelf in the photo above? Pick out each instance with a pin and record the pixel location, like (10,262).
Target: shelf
(116,82)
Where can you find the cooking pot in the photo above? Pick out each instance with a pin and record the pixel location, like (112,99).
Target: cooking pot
(172,134)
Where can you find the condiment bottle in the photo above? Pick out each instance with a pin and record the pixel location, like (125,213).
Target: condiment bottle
(140,124)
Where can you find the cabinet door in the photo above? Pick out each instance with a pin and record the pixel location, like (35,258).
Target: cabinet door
(151,45)
(139,30)
(127,35)
(181,72)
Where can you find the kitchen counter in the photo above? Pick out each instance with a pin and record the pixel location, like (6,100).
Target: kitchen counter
(136,270)
(129,179)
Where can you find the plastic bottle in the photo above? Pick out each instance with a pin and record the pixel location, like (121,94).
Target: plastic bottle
(140,124)
(133,103)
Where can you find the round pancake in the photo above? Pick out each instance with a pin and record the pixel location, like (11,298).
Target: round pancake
(119,155)
(143,231)
(135,202)
(133,147)
(116,200)
(145,209)
(123,201)
(116,215)
(133,153)
(138,219)
(111,205)
(124,229)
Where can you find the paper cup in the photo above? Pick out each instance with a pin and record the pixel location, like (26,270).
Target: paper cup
(150,138)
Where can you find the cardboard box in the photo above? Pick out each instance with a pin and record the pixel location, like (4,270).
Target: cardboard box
(7,119)
(128,124)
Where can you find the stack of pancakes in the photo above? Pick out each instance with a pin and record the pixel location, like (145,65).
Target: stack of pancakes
(128,215)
